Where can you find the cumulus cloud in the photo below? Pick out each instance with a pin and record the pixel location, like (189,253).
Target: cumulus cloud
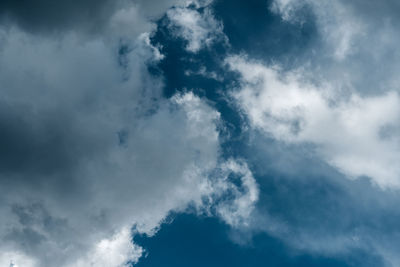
(92,152)
(358,135)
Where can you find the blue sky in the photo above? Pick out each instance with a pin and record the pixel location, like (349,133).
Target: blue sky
(195,241)
(199,133)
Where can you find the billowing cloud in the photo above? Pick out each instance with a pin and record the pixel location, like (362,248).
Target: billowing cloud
(92,152)
(356,134)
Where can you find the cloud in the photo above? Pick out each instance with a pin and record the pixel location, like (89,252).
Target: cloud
(357,135)
(340,29)
(91,148)
(238,211)
(112,252)
(354,40)
(316,210)
(7,258)
(45,15)
(199,28)
(87,16)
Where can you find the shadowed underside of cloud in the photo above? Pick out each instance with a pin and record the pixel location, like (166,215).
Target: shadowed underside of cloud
(85,16)
(45,15)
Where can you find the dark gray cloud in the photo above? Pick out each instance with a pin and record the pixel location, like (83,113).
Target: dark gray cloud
(84,17)
(47,15)
(38,143)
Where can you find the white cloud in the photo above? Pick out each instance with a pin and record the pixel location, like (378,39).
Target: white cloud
(355,42)
(115,251)
(8,258)
(238,212)
(337,23)
(356,134)
(198,29)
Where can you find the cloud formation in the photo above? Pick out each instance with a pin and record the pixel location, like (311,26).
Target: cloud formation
(199,29)
(115,114)
(355,134)
(355,40)
(91,150)
(86,16)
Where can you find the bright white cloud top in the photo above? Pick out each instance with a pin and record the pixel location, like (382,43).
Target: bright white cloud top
(356,134)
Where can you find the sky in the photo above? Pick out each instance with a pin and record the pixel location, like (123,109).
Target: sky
(199,133)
